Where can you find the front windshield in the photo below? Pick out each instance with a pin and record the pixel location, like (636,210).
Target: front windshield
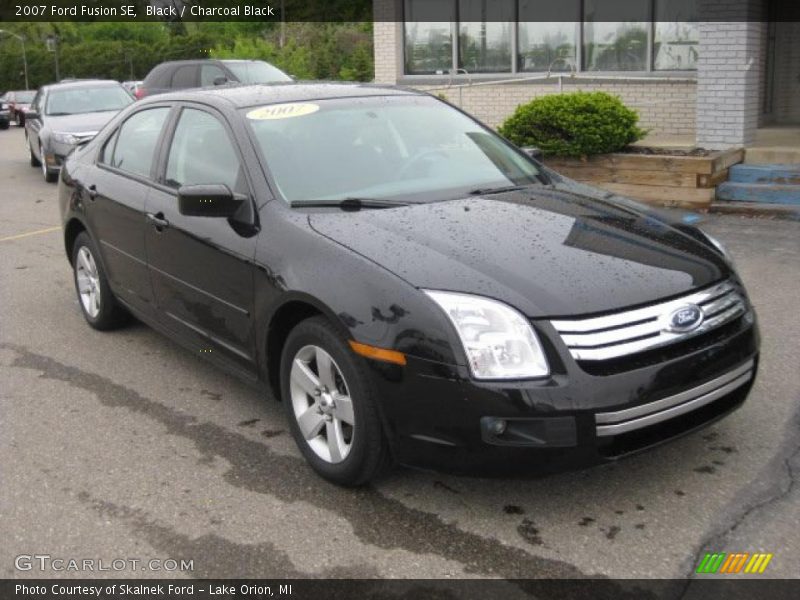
(80,100)
(412,148)
(257,71)
(24,97)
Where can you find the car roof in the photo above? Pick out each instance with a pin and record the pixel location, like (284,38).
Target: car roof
(80,83)
(241,96)
(193,61)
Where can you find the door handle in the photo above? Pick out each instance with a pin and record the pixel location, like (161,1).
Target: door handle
(92,191)
(158,220)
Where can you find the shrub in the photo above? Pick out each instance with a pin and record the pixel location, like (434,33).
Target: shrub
(574,124)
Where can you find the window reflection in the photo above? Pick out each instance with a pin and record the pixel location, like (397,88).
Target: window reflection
(485,35)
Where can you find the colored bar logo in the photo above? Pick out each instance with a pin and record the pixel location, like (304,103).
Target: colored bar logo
(736,562)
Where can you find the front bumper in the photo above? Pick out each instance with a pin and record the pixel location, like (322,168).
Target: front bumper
(436,417)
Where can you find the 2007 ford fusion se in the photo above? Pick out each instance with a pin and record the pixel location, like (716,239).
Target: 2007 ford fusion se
(412,287)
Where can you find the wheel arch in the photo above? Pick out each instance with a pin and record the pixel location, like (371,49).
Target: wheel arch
(72,230)
(293,308)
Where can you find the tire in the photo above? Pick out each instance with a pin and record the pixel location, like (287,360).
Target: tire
(49,176)
(35,162)
(4,124)
(106,314)
(367,453)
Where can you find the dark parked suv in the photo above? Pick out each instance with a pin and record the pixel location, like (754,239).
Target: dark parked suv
(409,284)
(184,74)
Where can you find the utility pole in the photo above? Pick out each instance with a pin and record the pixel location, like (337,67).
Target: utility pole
(21,38)
(52,45)
(283,26)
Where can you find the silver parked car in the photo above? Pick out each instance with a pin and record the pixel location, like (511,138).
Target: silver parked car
(63,115)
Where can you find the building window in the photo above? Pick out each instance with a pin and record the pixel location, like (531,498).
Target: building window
(676,35)
(609,46)
(428,45)
(547,46)
(485,35)
(517,36)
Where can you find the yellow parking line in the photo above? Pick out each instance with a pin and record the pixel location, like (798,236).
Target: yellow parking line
(30,233)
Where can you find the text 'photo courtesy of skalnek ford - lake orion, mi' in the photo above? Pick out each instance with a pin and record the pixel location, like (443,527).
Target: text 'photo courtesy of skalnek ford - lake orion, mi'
(439,299)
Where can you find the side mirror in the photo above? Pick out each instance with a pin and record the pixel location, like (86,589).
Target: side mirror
(212,200)
(533,152)
(222,80)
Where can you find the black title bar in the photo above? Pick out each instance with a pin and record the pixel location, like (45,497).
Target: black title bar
(397,10)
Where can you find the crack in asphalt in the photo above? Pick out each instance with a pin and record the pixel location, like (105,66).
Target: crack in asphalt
(375,519)
(780,475)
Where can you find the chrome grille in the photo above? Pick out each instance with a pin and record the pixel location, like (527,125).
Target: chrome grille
(629,332)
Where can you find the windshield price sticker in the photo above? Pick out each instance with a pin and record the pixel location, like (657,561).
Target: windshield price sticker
(283,111)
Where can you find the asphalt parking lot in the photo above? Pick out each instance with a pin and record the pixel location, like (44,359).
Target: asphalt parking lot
(125,445)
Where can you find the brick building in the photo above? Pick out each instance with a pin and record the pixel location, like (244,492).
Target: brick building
(715,80)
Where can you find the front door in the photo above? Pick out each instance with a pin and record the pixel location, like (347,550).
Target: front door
(202,267)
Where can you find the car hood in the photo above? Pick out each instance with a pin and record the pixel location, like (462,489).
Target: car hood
(83,123)
(546,251)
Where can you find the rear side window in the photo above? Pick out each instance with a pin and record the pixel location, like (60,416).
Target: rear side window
(202,152)
(136,141)
(108,149)
(185,77)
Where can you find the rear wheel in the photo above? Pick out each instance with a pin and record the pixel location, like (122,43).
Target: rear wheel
(330,405)
(3,124)
(99,307)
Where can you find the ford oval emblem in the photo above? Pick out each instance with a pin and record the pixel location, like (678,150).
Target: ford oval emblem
(685,318)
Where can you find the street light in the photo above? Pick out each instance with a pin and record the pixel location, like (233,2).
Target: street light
(24,55)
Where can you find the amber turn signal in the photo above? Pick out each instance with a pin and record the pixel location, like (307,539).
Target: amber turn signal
(374,353)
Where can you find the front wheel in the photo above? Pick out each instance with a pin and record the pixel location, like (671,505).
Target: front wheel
(99,307)
(34,161)
(49,176)
(330,405)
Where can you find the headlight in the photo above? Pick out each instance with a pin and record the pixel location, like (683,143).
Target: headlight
(718,245)
(499,342)
(65,138)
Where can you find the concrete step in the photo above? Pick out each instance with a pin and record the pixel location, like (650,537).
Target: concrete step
(763,210)
(780,174)
(772,155)
(759,192)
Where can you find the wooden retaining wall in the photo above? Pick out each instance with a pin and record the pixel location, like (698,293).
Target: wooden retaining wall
(677,181)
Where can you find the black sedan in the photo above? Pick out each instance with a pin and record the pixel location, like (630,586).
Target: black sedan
(412,287)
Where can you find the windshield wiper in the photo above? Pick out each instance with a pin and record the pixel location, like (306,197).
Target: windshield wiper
(496,190)
(349,204)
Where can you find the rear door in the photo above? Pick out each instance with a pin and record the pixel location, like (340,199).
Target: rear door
(118,185)
(202,267)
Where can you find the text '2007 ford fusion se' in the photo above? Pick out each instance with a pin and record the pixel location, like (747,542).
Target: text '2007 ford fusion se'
(412,287)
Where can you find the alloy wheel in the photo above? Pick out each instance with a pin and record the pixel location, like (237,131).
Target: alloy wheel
(321,404)
(88,282)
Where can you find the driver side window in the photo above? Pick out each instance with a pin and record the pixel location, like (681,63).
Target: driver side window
(202,153)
